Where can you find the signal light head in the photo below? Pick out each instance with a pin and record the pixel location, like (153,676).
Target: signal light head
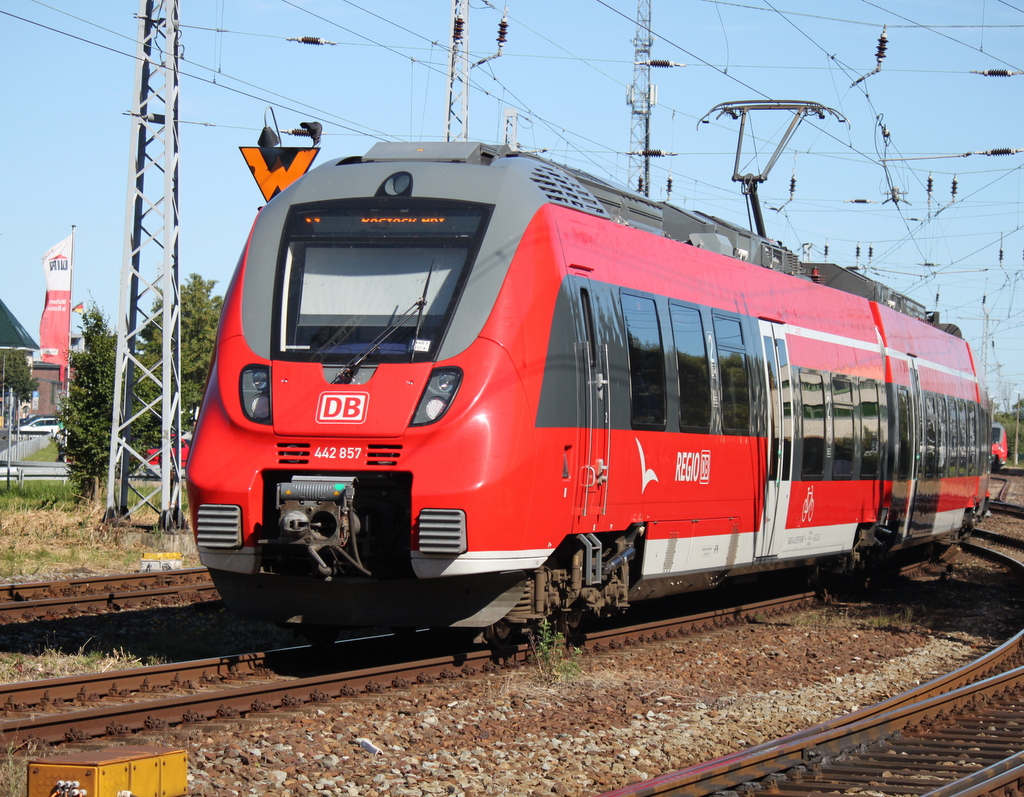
(438,395)
(254,392)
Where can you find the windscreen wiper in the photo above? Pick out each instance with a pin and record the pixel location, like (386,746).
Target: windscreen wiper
(419,319)
(348,371)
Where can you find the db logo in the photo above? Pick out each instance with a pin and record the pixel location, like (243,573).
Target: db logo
(342,407)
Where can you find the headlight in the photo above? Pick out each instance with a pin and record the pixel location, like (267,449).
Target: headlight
(255,393)
(437,398)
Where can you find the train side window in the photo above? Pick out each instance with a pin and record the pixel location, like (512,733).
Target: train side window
(812,398)
(870,437)
(961,436)
(904,465)
(732,370)
(972,439)
(646,361)
(842,420)
(787,409)
(943,435)
(931,438)
(588,323)
(692,363)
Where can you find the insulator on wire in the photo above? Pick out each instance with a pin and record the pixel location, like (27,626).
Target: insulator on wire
(825,254)
(1000,151)
(883,45)
(996,72)
(858,253)
(930,184)
(502,31)
(871,252)
(792,186)
(653,153)
(312,40)
(458,28)
(668,186)
(952,192)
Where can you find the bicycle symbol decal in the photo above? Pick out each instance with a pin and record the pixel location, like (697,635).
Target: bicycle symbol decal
(808,509)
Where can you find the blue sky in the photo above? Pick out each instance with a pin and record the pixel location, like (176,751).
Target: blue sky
(68,71)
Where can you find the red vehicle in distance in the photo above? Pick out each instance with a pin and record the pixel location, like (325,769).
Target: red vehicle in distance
(153,454)
(999,446)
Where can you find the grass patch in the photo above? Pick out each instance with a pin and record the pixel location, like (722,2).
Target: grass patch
(50,663)
(13,773)
(48,454)
(44,530)
(903,618)
(556,661)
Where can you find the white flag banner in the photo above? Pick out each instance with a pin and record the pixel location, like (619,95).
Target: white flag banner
(57,266)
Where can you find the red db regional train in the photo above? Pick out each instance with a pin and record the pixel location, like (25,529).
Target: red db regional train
(457,385)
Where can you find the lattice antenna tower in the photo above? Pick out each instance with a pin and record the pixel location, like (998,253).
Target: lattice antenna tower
(641,97)
(149,309)
(456,124)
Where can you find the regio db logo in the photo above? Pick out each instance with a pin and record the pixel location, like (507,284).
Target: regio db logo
(693,466)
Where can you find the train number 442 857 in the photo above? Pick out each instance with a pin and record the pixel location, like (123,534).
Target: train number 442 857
(330,452)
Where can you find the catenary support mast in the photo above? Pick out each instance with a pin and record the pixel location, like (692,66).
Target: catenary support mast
(149,310)
(641,97)
(456,124)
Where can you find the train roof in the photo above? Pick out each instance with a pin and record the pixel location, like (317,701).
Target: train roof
(589,194)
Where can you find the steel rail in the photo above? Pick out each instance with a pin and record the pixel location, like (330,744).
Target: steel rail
(49,600)
(39,590)
(138,701)
(1003,508)
(792,756)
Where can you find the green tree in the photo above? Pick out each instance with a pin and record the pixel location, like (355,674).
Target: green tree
(16,375)
(200,315)
(87,411)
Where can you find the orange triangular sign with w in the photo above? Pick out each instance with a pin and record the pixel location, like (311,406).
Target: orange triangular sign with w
(276,168)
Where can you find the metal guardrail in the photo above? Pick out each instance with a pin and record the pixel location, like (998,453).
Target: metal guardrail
(33,471)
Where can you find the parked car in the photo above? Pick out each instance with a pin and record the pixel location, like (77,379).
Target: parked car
(41,424)
(153,454)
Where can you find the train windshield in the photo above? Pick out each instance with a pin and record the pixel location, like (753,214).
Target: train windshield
(374,283)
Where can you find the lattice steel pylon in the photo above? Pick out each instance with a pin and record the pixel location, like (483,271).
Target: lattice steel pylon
(641,97)
(456,124)
(149,309)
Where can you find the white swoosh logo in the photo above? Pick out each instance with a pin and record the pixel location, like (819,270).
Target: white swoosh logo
(648,474)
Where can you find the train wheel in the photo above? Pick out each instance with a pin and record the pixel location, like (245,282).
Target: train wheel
(500,634)
(569,624)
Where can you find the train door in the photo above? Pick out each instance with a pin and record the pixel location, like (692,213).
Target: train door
(907,425)
(780,437)
(594,411)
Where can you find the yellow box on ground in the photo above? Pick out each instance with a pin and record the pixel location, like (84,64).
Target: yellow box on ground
(142,771)
(157,561)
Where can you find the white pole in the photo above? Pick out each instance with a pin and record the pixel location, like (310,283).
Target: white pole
(65,376)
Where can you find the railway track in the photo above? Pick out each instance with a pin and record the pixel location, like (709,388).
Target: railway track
(94,595)
(79,708)
(956,736)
